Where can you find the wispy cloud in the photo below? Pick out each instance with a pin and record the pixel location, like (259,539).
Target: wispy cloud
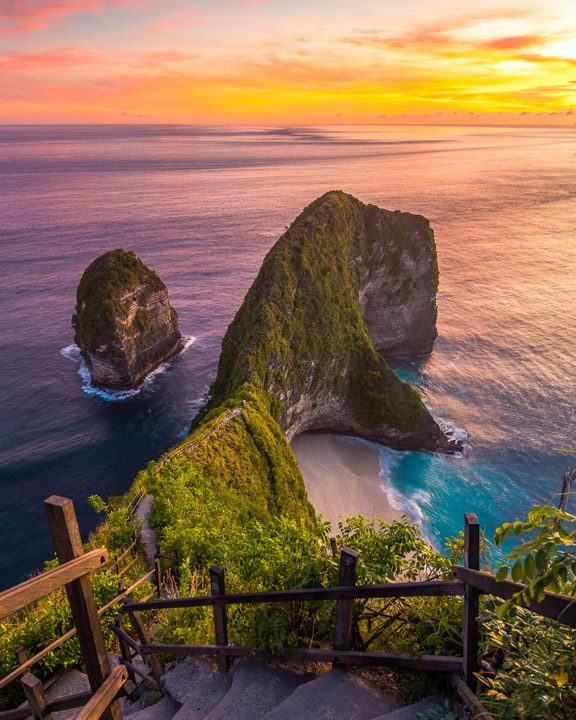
(204,62)
(31,15)
(179,20)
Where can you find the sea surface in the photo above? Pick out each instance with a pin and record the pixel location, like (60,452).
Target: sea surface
(202,206)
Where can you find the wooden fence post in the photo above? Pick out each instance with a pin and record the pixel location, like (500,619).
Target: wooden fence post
(68,544)
(220,617)
(158,574)
(21,655)
(346,578)
(471,600)
(34,691)
(125,652)
(333,546)
(144,639)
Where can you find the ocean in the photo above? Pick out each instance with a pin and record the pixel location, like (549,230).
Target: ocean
(202,206)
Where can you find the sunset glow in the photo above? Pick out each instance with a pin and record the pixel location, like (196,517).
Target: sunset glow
(274,61)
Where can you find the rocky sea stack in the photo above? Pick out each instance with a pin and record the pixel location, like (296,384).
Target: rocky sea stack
(345,286)
(124,324)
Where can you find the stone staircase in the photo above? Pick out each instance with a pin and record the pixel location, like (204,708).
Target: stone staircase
(195,690)
(252,690)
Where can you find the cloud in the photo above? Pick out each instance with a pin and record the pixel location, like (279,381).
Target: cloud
(515,42)
(32,15)
(435,35)
(541,58)
(179,20)
(23,16)
(56,58)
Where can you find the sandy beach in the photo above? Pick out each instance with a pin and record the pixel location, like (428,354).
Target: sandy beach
(342,478)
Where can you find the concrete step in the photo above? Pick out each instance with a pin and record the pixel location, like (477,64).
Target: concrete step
(333,696)
(197,686)
(256,689)
(164,709)
(70,683)
(412,712)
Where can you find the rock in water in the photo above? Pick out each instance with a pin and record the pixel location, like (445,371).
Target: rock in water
(124,324)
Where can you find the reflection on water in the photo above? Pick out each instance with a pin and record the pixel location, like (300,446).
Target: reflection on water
(202,207)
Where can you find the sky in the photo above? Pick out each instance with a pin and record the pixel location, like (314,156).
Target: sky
(264,62)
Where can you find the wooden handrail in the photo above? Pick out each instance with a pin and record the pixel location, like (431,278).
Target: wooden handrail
(59,641)
(480,712)
(18,597)
(121,557)
(438,663)
(106,693)
(411,589)
(555,606)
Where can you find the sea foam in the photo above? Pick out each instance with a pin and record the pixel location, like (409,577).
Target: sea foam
(72,352)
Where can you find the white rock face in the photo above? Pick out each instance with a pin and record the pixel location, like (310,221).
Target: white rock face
(138,350)
(399,309)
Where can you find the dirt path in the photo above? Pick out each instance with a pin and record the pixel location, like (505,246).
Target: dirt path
(147,534)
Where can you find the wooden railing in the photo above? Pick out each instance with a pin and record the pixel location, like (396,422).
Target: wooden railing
(119,564)
(72,574)
(469,583)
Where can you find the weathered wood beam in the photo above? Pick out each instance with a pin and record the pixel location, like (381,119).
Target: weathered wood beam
(437,663)
(345,606)
(435,588)
(36,697)
(68,544)
(217,588)
(39,586)
(471,631)
(142,632)
(479,712)
(49,648)
(554,606)
(105,696)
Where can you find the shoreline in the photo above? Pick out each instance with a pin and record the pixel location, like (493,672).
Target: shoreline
(342,478)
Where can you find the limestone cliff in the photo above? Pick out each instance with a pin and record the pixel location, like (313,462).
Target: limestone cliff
(345,284)
(124,324)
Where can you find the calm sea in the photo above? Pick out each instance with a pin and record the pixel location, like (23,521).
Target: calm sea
(202,206)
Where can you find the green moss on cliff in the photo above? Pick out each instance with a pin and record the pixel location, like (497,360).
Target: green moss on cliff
(301,325)
(300,329)
(98,299)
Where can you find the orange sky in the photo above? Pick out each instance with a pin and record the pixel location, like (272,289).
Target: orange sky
(272,61)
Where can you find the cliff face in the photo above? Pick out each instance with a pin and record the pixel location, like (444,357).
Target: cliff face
(397,291)
(345,284)
(124,323)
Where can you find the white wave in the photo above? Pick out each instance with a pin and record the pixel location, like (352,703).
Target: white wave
(412,506)
(72,352)
(453,431)
(404,504)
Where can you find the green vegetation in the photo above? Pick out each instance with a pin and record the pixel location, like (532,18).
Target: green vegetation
(301,327)
(204,519)
(46,620)
(538,679)
(141,320)
(98,299)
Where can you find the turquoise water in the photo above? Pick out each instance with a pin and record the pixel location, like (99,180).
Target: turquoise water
(202,206)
